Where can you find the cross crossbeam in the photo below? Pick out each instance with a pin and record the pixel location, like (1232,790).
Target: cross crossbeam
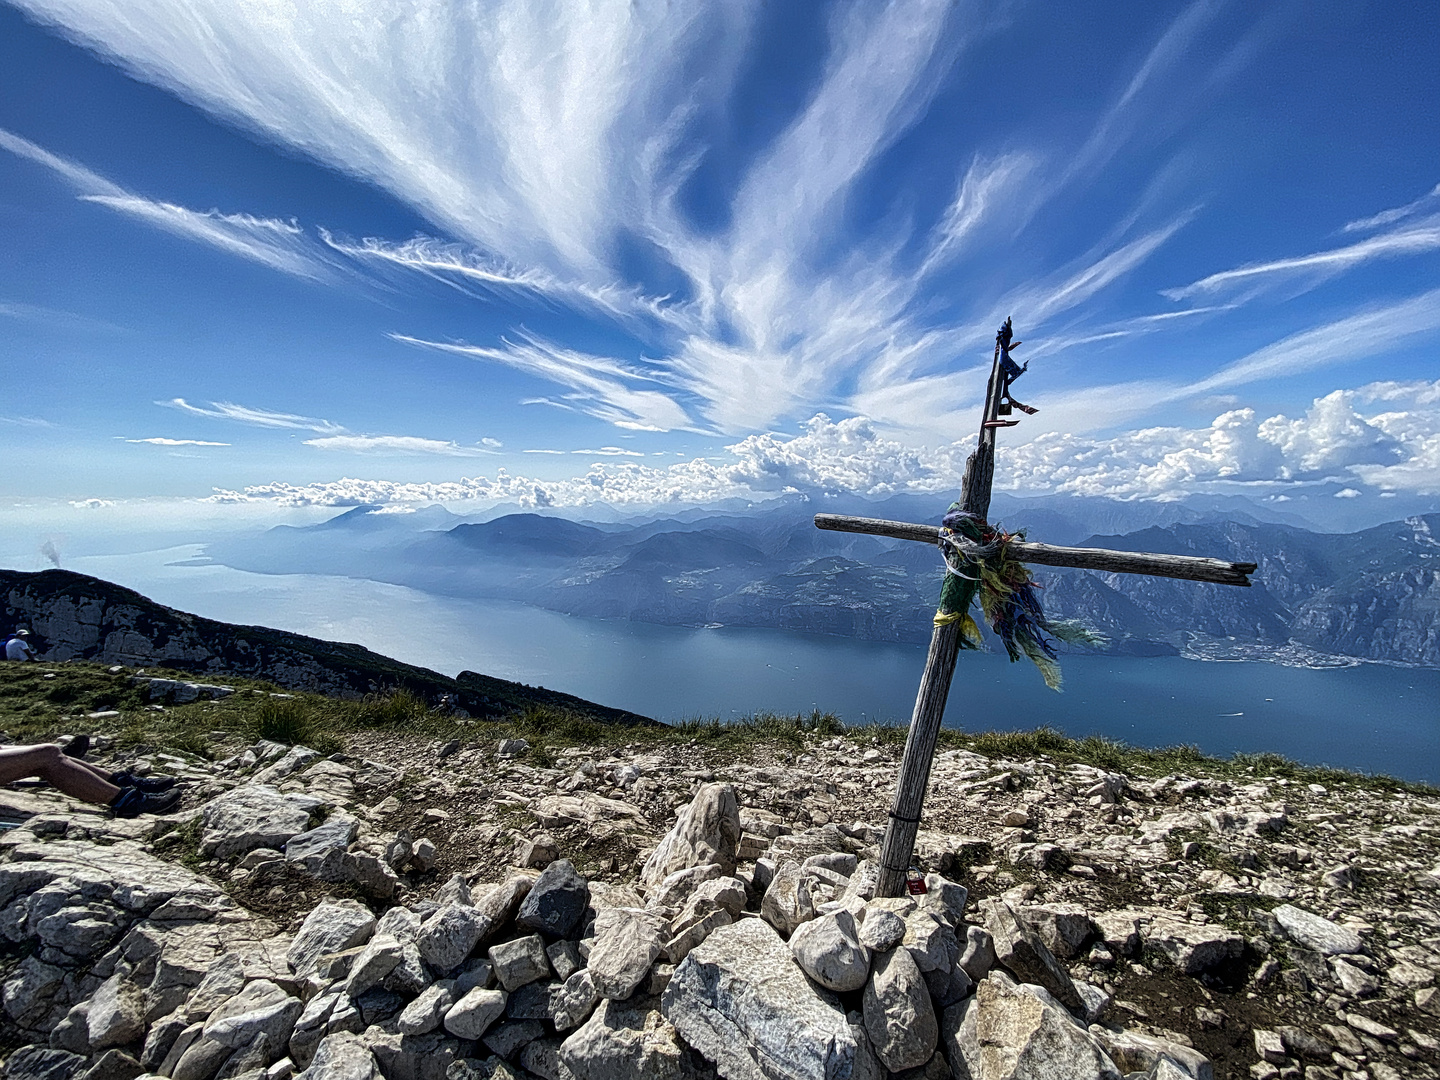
(945,640)
(1187,567)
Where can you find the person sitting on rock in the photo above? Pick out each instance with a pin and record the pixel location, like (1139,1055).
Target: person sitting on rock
(18,647)
(126,794)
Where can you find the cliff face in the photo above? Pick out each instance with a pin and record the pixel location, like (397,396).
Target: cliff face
(76,617)
(1373,595)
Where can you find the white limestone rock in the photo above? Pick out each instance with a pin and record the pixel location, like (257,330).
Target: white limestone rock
(451,934)
(262,1007)
(1193,948)
(977,956)
(379,957)
(627,941)
(882,929)
(1315,932)
(1024,1033)
(742,1001)
(472,1015)
(1136,1052)
(426,1012)
(572,1005)
(253,816)
(1020,951)
(788,902)
(116,1015)
(320,852)
(931,941)
(519,962)
(899,1016)
(625,1041)
(332,927)
(1066,929)
(342,1056)
(828,949)
(706,832)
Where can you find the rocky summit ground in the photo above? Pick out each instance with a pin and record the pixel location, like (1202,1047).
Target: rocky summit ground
(455,902)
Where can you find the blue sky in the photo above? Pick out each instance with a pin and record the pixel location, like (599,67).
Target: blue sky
(265,255)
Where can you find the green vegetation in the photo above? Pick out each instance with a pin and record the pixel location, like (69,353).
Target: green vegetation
(292,721)
(182,843)
(41,701)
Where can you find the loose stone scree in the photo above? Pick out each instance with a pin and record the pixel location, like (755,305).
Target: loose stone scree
(985,564)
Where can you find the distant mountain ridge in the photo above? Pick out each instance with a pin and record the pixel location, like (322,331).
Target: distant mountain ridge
(75,616)
(1371,595)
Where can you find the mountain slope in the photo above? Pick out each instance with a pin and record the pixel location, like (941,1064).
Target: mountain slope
(79,617)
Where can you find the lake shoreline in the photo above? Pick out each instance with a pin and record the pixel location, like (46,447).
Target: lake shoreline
(1368,717)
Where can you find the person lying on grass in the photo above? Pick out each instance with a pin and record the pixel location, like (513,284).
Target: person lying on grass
(126,794)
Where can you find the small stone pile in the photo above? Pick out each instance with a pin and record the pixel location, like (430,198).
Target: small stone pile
(742,943)
(543,975)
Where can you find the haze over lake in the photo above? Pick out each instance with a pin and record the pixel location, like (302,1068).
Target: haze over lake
(1369,717)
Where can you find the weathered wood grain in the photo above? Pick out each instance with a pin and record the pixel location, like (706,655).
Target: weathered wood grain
(1186,567)
(899,844)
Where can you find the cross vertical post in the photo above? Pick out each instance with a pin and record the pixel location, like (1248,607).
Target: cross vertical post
(899,845)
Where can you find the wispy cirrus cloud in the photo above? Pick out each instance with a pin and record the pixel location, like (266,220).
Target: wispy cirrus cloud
(264,418)
(600,386)
(549,143)
(396,444)
(1388,217)
(1370,332)
(280,245)
(158,440)
(1413,240)
(460,266)
(985,187)
(332,436)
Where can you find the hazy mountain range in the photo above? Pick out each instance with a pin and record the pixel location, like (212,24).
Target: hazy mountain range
(1372,595)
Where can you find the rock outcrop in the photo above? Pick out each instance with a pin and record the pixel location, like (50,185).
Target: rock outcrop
(717,919)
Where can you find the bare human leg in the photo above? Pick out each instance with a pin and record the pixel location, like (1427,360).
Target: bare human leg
(74,778)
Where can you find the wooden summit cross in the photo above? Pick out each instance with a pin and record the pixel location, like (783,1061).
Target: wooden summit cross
(945,642)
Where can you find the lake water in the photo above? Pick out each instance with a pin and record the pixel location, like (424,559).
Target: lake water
(1369,717)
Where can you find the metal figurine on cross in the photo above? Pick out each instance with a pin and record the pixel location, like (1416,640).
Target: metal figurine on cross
(984,563)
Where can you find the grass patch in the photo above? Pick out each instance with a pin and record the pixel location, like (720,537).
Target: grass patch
(293,722)
(1117,756)
(399,709)
(34,708)
(791,731)
(183,844)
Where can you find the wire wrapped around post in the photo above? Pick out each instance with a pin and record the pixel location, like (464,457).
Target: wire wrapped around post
(978,565)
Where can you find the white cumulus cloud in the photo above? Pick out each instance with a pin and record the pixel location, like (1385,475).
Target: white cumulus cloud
(1384,436)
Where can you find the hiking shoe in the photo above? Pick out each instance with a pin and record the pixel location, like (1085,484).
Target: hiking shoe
(77,747)
(131,802)
(150,785)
